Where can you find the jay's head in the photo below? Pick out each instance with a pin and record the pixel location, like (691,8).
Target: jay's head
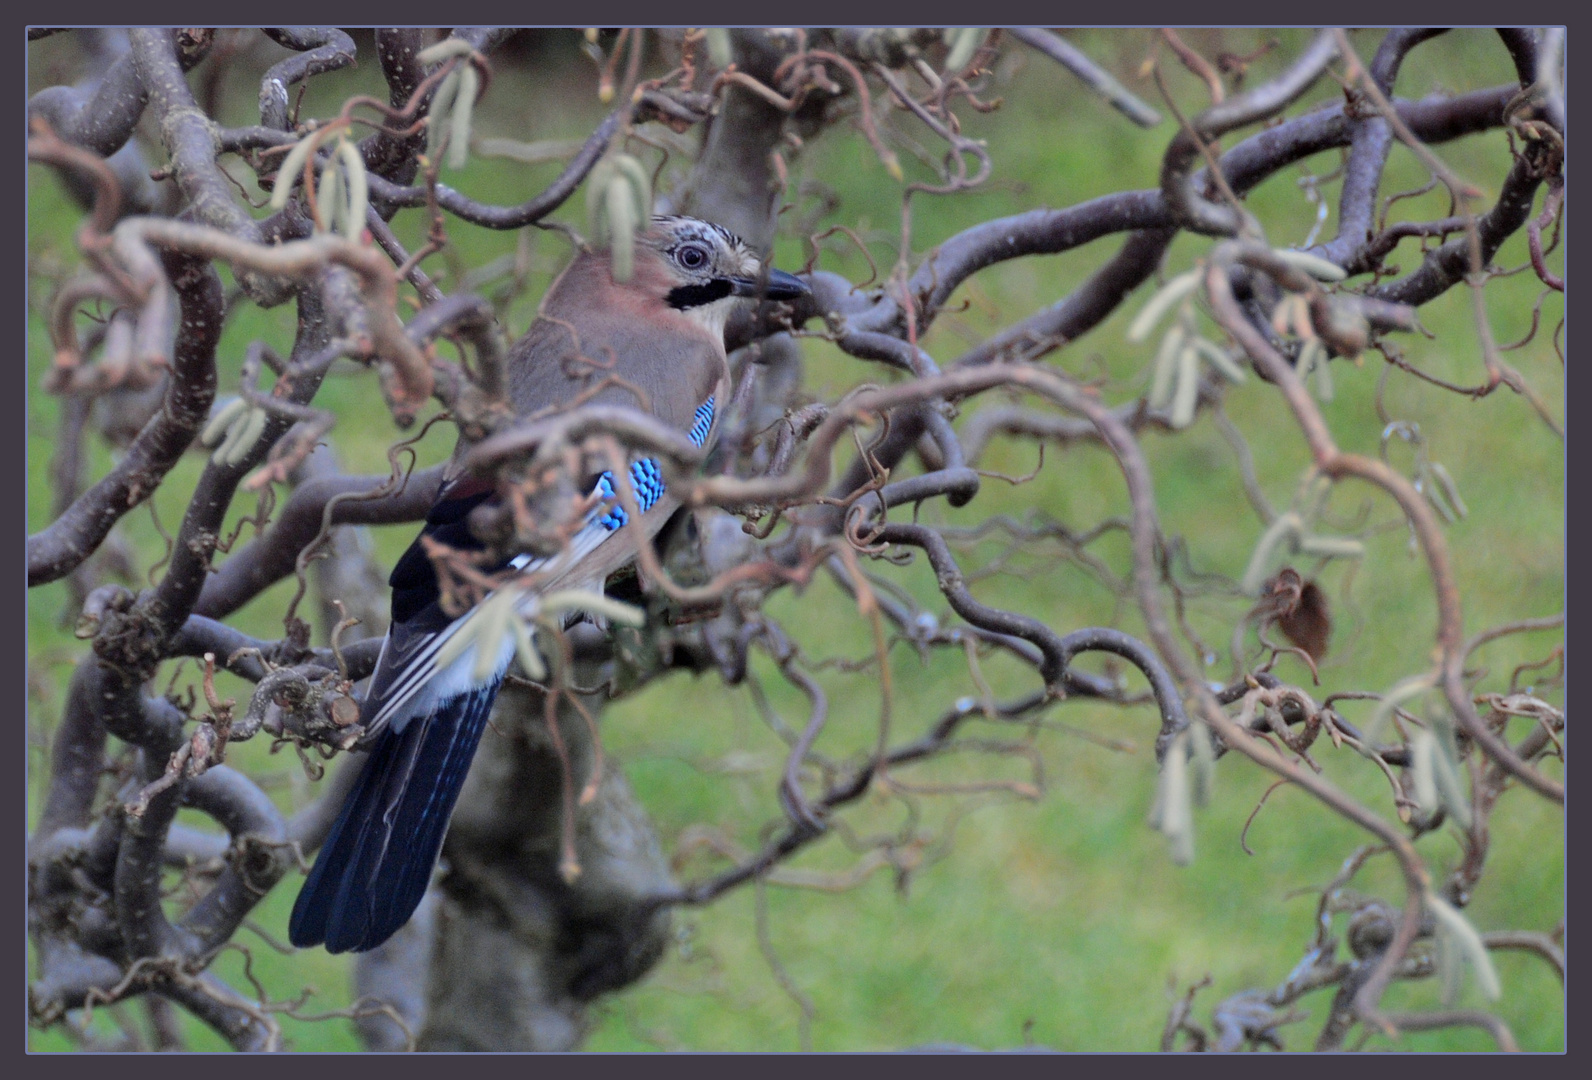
(704,269)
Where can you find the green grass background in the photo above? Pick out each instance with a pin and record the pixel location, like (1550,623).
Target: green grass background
(1061,920)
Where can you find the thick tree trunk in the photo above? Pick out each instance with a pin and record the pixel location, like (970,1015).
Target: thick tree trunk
(512,953)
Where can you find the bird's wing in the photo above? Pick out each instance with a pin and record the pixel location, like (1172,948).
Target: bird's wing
(420,628)
(588,356)
(656,361)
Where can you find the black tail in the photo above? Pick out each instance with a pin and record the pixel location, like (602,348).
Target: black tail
(377,860)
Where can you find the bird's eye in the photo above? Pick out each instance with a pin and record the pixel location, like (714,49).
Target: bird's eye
(691,257)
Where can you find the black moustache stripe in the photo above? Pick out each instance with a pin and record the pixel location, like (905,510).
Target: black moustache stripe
(690,296)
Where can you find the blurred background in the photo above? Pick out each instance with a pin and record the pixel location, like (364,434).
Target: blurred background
(1036,906)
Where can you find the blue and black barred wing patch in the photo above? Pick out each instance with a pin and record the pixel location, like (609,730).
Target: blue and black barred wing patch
(702,423)
(646,479)
(421,628)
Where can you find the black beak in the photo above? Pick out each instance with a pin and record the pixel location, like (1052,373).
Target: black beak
(778,285)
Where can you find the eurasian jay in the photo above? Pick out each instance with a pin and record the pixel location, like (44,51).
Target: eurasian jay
(662,333)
